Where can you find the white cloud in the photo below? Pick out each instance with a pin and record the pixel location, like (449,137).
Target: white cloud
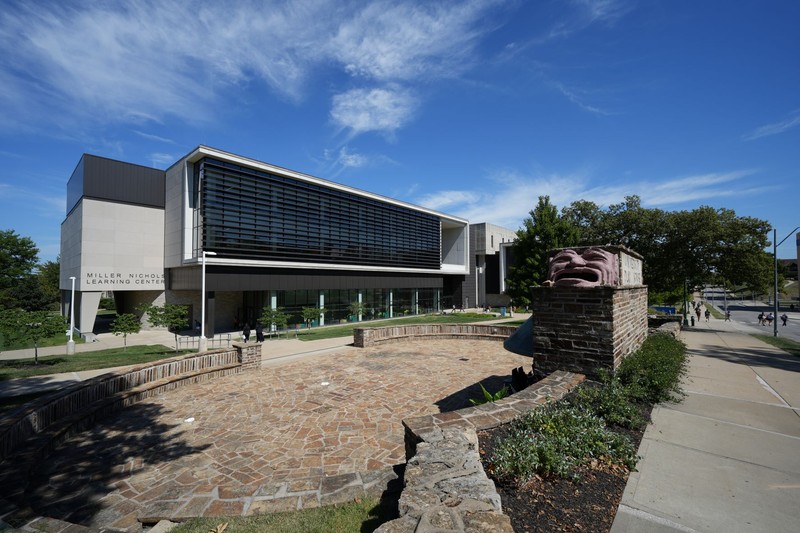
(515,195)
(792,121)
(391,41)
(363,110)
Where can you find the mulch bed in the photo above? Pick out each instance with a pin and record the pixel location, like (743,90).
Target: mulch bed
(554,504)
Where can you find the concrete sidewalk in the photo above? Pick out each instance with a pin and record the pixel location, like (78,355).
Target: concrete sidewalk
(727,458)
(274,351)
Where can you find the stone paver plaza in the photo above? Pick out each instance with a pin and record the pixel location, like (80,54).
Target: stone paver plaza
(301,434)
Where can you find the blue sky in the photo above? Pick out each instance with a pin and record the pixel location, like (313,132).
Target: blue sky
(473,108)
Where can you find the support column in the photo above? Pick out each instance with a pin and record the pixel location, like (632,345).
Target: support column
(273,304)
(87,307)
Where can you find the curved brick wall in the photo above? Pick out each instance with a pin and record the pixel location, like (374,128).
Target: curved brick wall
(364,337)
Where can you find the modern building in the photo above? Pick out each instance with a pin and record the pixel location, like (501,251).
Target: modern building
(259,235)
(485,284)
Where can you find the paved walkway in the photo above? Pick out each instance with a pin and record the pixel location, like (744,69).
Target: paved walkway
(296,434)
(727,458)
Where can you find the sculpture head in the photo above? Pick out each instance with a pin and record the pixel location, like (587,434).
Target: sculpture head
(589,267)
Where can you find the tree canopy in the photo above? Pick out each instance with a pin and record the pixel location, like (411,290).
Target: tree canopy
(704,245)
(18,259)
(542,231)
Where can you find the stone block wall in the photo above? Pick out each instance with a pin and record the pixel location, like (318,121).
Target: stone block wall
(584,329)
(445,486)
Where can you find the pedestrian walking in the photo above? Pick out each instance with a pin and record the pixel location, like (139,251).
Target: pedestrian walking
(698,313)
(246,332)
(727,316)
(770,317)
(708,314)
(760,319)
(784,318)
(259,332)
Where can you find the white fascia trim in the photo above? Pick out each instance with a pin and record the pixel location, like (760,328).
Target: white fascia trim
(202,151)
(210,260)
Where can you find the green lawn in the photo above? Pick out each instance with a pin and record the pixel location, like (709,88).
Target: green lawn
(58,364)
(360,515)
(56,340)
(787,345)
(346,330)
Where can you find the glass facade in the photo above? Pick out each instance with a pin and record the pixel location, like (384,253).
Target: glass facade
(252,214)
(377,304)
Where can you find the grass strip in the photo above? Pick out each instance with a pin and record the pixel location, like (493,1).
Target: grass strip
(360,515)
(787,345)
(346,330)
(59,364)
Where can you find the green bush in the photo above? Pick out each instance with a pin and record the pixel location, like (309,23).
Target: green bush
(611,401)
(554,440)
(653,373)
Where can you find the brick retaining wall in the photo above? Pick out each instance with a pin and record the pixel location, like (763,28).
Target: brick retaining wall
(36,416)
(364,337)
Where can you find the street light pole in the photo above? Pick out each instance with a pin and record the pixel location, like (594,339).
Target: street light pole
(775,245)
(70,342)
(203,341)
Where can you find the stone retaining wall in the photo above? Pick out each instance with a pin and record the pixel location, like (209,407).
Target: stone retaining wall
(446,488)
(364,337)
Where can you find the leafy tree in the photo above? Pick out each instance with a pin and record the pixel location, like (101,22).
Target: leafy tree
(49,276)
(276,318)
(18,258)
(27,294)
(125,324)
(32,326)
(310,314)
(542,231)
(171,316)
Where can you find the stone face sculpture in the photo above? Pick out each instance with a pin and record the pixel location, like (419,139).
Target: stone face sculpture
(587,267)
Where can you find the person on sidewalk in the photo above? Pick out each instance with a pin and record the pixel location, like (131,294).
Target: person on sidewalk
(708,314)
(727,316)
(784,318)
(246,332)
(761,319)
(259,332)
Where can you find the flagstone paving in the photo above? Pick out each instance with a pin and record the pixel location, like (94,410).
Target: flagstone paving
(320,430)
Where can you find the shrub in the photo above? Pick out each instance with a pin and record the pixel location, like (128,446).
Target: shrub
(553,441)
(611,401)
(652,374)
(488,396)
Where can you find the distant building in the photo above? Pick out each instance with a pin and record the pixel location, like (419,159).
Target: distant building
(485,284)
(272,236)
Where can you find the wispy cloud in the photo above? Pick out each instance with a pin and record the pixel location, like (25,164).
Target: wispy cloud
(517,194)
(151,137)
(792,121)
(141,61)
(162,160)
